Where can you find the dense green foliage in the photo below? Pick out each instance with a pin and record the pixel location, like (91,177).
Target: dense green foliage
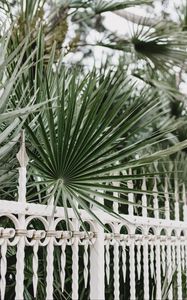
(85,128)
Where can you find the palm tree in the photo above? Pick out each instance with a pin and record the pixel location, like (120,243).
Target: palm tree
(83,129)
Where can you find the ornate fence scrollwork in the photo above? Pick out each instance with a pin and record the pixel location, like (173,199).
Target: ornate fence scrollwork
(136,249)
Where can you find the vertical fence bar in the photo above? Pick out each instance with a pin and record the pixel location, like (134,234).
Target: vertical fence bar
(35,267)
(75,261)
(50,256)
(144,198)
(179,273)
(107,259)
(130,196)
(166,195)
(124,259)
(3,268)
(116,268)
(145,268)
(185,220)
(85,260)
(184,203)
(138,258)
(163,255)
(63,263)
(116,271)
(116,248)
(152,256)
(185,262)
(97,274)
(176,199)
(50,251)
(158,269)
(20,255)
(173,254)
(169,266)
(97,260)
(132,267)
(116,194)
(155,199)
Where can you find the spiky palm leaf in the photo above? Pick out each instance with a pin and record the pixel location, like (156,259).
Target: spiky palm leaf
(80,140)
(161,47)
(93,123)
(15,105)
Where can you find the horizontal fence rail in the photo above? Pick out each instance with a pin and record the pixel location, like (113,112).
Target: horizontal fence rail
(134,253)
(135,249)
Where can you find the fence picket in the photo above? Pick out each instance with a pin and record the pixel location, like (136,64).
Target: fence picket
(124,258)
(146,268)
(155,199)
(166,194)
(144,198)
(176,200)
(63,264)
(75,261)
(169,269)
(50,266)
(35,268)
(97,283)
(116,271)
(158,269)
(3,268)
(132,269)
(21,230)
(179,274)
(130,196)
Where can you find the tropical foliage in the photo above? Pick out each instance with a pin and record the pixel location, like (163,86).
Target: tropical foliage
(85,128)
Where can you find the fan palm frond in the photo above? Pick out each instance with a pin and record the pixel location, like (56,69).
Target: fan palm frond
(76,141)
(161,47)
(163,50)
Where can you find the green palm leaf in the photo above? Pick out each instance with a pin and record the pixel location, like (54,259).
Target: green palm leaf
(161,47)
(77,140)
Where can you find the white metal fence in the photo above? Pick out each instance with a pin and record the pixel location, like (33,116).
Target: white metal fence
(139,252)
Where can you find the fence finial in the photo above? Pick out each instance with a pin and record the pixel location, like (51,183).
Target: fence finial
(22,156)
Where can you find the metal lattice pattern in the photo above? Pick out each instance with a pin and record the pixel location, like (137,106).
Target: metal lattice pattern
(150,248)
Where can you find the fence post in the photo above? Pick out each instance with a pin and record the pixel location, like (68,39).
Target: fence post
(179,271)
(50,262)
(169,266)
(158,266)
(50,250)
(20,255)
(75,260)
(184,203)
(146,265)
(116,247)
(97,274)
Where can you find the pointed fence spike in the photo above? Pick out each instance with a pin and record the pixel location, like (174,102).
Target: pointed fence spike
(22,156)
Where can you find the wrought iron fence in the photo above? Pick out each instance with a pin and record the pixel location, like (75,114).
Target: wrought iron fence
(137,252)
